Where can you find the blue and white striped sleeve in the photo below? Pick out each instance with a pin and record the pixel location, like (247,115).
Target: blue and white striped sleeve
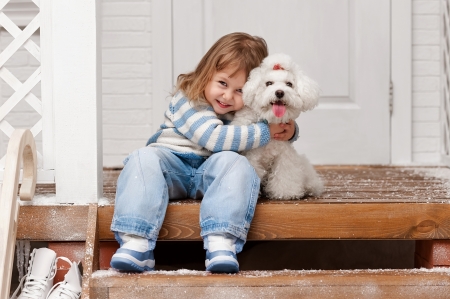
(201,125)
(295,137)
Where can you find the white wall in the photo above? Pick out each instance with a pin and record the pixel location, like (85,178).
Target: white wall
(426,80)
(127,95)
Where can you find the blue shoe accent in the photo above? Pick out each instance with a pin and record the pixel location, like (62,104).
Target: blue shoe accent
(221,261)
(211,255)
(133,261)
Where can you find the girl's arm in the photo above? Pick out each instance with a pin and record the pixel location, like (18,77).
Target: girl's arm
(201,125)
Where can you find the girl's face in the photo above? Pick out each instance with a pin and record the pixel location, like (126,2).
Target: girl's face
(224,92)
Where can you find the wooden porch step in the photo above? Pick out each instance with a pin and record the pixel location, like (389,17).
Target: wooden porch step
(272,221)
(109,284)
(359,202)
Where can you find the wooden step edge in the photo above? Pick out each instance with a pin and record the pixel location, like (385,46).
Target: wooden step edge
(65,223)
(311,221)
(183,277)
(91,253)
(410,283)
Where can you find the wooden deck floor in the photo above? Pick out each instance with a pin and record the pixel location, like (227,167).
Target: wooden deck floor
(359,202)
(351,184)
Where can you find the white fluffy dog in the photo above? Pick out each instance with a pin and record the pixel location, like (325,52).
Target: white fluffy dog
(277,91)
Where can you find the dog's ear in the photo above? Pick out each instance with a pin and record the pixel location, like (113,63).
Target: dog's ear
(252,84)
(308,90)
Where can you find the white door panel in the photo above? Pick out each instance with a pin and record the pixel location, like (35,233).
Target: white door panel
(342,44)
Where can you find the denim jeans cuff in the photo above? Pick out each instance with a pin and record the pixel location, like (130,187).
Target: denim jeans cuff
(239,232)
(135,226)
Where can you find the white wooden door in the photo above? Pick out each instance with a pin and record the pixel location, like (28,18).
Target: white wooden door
(342,44)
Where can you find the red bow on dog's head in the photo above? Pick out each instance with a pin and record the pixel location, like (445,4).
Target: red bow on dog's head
(277,67)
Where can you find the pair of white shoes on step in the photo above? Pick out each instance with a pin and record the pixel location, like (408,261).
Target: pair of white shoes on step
(134,255)
(39,278)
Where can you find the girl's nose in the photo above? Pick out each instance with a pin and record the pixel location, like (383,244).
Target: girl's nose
(227,95)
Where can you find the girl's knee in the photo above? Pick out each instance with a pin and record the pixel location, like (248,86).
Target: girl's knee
(227,159)
(144,156)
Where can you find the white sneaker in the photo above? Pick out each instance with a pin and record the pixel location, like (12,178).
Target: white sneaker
(221,253)
(70,288)
(133,255)
(40,274)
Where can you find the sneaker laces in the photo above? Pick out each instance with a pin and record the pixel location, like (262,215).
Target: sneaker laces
(64,287)
(34,286)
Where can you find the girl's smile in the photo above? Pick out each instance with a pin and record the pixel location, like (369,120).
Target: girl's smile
(223,105)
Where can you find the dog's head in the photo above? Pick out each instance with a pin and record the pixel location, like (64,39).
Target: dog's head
(278,90)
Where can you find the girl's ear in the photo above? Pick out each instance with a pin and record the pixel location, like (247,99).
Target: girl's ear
(308,90)
(252,84)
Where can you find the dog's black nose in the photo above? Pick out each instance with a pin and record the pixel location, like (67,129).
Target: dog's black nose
(279,94)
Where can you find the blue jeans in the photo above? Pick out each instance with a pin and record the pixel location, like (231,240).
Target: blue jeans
(226,182)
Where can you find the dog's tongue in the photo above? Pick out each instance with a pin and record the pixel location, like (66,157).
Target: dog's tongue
(278,109)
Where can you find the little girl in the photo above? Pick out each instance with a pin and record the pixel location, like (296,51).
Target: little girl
(194,155)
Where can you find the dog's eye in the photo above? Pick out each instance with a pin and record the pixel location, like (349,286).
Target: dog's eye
(289,84)
(269,83)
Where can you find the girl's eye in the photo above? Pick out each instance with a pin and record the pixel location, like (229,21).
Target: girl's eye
(239,90)
(269,83)
(223,83)
(289,84)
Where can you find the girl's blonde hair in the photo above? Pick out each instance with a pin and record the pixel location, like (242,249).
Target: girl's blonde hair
(238,49)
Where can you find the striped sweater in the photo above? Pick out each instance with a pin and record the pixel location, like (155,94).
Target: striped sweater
(195,128)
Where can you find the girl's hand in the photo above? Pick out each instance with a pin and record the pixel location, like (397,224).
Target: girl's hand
(282,131)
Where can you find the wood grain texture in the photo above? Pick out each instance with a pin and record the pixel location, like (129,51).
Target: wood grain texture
(350,184)
(364,183)
(91,255)
(274,284)
(315,291)
(53,223)
(360,202)
(301,220)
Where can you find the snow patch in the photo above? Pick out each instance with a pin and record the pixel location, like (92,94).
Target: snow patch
(112,272)
(439,173)
(52,200)
(258,274)
(40,200)
(442,173)
(104,201)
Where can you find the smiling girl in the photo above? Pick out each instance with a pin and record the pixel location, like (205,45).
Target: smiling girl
(194,155)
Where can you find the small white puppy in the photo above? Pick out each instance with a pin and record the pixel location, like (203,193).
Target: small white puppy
(277,91)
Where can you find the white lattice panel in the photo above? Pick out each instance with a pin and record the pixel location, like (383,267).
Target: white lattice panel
(445,111)
(22,90)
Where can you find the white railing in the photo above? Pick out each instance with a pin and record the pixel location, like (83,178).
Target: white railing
(445,109)
(22,91)
(21,148)
(69,53)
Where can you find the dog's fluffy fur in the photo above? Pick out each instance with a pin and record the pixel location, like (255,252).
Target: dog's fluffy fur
(283,172)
